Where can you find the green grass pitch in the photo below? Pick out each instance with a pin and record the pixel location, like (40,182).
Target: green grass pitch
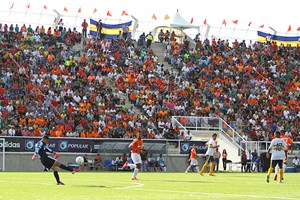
(118,185)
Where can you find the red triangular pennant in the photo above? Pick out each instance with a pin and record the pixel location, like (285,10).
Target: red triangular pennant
(154,17)
(235,21)
(124,13)
(12,5)
(224,22)
(108,14)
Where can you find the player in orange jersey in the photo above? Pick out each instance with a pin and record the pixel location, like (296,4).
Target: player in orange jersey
(193,159)
(136,146)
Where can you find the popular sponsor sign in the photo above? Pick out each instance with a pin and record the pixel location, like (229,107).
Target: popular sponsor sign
(27,144)
(185,147)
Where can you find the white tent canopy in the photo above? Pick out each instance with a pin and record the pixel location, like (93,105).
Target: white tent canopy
(179,22)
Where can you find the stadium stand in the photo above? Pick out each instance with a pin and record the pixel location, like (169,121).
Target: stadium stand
(49,85)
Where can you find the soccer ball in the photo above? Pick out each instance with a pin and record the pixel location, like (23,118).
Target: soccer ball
(79,160)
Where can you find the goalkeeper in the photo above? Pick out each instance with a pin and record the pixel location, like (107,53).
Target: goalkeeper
(41,149)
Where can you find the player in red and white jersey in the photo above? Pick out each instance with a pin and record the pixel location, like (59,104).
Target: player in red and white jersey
(193,159)
(136,146)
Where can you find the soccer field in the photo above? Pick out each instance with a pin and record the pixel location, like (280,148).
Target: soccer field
(118,185)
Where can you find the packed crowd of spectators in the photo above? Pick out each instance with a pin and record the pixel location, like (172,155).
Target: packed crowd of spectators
(56,89)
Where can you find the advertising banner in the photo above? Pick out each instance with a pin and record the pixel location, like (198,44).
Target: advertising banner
(27,144)
(185,147)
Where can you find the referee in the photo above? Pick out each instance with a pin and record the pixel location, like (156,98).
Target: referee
(41,149)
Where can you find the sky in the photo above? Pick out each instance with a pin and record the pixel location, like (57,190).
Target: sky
(276,14)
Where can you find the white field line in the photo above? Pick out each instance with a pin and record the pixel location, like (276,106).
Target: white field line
(219,194)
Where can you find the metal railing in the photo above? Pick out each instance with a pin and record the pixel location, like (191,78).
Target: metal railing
(208,124)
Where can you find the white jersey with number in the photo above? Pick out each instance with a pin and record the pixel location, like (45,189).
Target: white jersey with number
(278,147)
(211,144)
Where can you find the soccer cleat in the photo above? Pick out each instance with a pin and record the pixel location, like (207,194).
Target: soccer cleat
(186,172)
(125,165)
(275,177)
(201,173)
(135,179)
(75,170)
(60,183)
(212,174)
(268,178)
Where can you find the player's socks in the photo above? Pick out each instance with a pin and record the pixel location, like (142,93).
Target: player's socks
(56,176)
(270,170)
(275,177)
(212,166)
(62,166)
(197,169)
(280,174)
(203,169)
(188,169)
(135,172)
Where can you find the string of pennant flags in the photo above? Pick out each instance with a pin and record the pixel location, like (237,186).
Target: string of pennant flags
(167,17)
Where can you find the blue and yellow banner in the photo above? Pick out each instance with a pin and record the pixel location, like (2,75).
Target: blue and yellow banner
(285,40)
(109,30)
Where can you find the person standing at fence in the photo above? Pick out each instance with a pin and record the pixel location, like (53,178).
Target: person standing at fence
(224,159)
(217,156)
(279,153)
(249,160)
(99,29)
(125,30)
(84,26)
(149,38)
(144,157)
(41,149)
(136,146)
(212,145)
(193,159)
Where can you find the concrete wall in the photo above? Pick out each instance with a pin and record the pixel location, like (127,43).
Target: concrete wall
(21,162)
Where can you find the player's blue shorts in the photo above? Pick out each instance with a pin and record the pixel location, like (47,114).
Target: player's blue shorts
(209,159)
(48,162)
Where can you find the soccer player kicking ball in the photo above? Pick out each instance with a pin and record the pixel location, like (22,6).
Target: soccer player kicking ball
(279,153)
(193,159)
(136,146)
(212,145)
(41,149)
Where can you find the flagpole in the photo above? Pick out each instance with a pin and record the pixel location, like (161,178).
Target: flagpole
(220,31)
(76,19)
(233,30)
(40,16)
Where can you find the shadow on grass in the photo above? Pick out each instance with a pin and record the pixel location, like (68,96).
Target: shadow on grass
(180,181)
(90,186)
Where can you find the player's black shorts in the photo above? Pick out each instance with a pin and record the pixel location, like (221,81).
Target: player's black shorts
(48,162)
(275,162)
(209,159)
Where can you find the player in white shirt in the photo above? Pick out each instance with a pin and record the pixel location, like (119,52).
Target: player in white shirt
(212,145)
(279,153)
